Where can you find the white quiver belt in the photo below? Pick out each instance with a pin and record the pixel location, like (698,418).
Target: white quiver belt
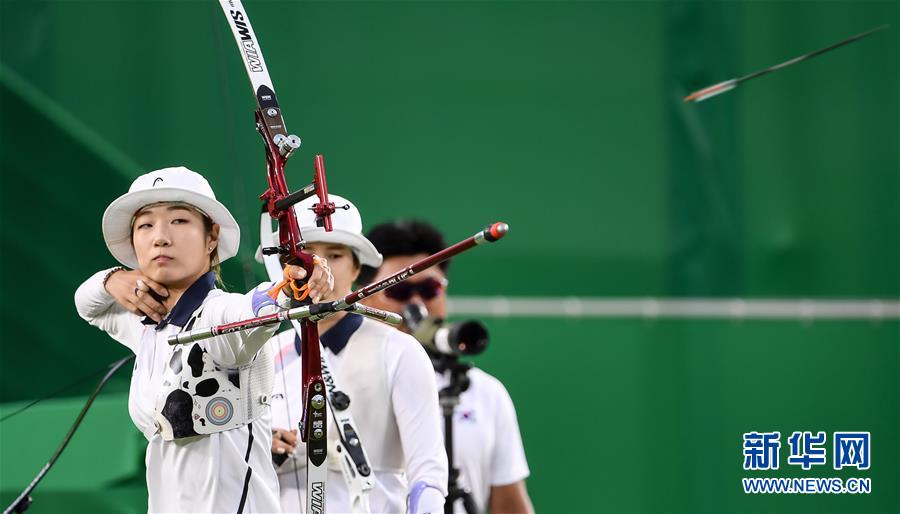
(199,397)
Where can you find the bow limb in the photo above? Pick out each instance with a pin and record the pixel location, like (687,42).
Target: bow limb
(23,501)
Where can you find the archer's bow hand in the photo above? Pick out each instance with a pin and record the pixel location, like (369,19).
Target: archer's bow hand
(319,285)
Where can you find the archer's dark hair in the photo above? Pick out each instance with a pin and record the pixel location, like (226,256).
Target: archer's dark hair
(403,238)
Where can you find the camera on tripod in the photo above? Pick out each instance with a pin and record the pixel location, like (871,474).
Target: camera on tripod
(468,337)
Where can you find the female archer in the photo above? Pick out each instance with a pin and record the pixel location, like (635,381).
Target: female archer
(203,407)
(389,381)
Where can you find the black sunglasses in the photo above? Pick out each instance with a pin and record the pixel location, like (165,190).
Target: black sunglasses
(427,289)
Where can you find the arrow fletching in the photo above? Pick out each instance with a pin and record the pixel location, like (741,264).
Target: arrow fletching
(711,91)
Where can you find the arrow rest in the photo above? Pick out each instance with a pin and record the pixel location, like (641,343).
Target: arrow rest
(280,250)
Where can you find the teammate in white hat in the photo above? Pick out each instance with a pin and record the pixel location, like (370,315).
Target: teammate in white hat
(388,377)
(203,406)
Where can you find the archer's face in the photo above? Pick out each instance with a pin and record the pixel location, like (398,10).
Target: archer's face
(428,287)
(340,260)
(172,245)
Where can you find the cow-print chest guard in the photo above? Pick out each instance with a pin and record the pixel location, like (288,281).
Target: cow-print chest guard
(199,397)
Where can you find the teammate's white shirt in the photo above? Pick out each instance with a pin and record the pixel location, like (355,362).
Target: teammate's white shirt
(405,447)
(487,444)
(228,471)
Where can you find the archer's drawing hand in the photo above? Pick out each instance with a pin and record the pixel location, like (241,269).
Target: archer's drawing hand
(132,290)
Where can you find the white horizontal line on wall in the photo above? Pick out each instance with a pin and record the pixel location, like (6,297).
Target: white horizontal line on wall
(729,308)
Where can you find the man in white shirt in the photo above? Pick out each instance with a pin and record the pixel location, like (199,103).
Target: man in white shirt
(488,447)
(388,378)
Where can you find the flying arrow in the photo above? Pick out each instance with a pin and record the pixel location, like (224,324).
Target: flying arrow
(728,85)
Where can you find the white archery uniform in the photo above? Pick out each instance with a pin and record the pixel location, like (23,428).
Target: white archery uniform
(393,399)
(487,445)
(229,471)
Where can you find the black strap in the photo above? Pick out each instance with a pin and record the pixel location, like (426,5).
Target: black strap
(240,508)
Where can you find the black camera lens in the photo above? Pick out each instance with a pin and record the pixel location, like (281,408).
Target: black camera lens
(463,338)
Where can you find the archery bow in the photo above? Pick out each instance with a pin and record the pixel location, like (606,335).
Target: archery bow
(23,501)
(278,202)
(728,85)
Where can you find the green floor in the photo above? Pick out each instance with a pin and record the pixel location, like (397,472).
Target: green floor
(617,416)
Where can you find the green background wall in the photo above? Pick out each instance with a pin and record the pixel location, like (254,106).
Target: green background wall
(563,119)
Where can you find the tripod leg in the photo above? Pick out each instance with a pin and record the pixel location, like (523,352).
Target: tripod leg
(469,503)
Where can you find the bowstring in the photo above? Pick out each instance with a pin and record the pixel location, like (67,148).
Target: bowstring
(249,277)
(231,137)
(287,408)
(62,389)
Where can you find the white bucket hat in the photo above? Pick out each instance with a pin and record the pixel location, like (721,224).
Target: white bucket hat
(347,229)
(177,184)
